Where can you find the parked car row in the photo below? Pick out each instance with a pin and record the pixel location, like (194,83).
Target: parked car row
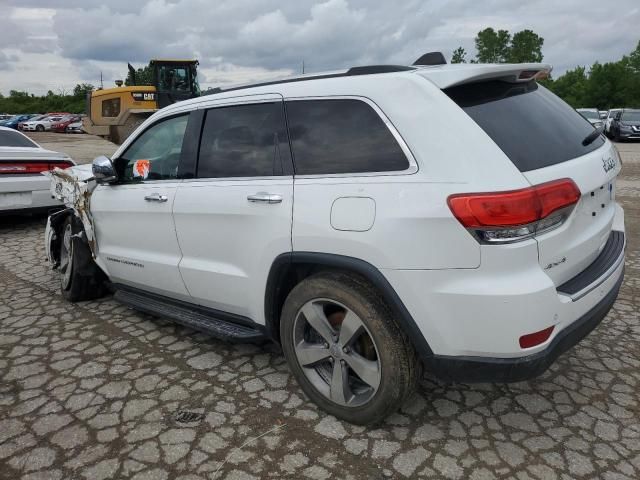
(61,122)
(617,123)
(623,124)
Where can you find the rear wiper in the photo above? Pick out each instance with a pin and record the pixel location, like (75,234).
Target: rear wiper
(589,139)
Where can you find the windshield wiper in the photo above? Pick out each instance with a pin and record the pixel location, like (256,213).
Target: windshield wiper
(589,139)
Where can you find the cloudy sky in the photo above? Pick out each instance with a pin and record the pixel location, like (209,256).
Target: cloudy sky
(54,44)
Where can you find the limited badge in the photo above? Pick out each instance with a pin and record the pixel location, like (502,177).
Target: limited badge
(141,168)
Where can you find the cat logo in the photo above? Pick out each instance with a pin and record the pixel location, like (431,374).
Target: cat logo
(144,96)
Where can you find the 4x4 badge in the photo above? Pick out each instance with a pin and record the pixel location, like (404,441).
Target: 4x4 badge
(608,164)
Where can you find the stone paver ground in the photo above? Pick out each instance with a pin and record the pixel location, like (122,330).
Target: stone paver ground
(95,391)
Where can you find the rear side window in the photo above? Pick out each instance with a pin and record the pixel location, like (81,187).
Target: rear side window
(531,125)
(14,139)
(341,136)
(244,141)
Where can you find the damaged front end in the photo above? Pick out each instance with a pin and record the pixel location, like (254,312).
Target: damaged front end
(73,187)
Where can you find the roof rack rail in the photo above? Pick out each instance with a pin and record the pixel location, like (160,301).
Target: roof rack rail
(353,71)
(372,69)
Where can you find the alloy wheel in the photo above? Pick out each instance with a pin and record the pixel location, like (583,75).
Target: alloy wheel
(337,352)
(66,256)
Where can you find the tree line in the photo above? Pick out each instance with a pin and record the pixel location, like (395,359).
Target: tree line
(62,101)
(602,85)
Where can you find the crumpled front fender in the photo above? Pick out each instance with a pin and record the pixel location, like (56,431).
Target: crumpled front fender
(53,236)
(73,187)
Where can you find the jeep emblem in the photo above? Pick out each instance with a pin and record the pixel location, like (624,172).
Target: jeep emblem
(608,164)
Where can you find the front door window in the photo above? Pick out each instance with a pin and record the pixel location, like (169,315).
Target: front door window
(155,154)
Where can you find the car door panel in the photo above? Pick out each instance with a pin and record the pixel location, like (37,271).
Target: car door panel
(136,237)
(229,242)
(230,226)
(135,231)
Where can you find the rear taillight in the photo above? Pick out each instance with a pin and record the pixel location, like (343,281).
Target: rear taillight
(504,217)
(30,168)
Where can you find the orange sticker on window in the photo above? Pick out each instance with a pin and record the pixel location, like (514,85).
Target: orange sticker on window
(141,168)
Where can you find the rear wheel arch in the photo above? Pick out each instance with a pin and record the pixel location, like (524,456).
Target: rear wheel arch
(289,269)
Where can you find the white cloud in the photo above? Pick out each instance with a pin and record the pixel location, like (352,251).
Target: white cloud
(56,42)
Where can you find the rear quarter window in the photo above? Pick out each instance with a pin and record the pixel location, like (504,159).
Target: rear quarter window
(341,136)
(531,125)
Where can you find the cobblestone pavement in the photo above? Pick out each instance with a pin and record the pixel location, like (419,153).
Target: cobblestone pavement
(95,390)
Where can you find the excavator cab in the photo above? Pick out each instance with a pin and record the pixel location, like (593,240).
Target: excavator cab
(175,80)
(114,113)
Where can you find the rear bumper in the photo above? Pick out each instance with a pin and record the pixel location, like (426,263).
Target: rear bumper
(485,369)
(473,319)
(26,194)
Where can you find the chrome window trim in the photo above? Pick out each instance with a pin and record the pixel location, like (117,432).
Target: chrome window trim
(238,179)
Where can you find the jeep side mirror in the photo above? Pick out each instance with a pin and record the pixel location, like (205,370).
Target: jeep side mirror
(103,170)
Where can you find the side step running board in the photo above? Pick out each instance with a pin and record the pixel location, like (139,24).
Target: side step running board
(221,325)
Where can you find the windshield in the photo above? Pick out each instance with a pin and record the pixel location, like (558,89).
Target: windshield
(631,116)
(589,114)
(173,78)
(531,125)
(14,139)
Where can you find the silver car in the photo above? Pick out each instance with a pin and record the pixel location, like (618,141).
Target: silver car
(23,188)
(592,115)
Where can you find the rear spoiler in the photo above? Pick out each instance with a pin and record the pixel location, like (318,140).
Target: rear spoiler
(459,74)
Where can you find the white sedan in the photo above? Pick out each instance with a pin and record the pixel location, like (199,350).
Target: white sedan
(40,125)
(23,188)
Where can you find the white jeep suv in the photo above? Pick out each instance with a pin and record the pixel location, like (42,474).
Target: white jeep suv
(372,222)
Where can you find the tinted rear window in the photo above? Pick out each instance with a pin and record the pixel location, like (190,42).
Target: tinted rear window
(341,136)
(533,127)
(14,139)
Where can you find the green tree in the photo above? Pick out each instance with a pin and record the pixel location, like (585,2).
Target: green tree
(609,85)
(492,46)
(633,85)
(571,86)
(459,56)
(81,90)
(526,46)
(634,59)
(144,76)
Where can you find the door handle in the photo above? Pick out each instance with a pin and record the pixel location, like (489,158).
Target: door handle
(156,197)
(264,197)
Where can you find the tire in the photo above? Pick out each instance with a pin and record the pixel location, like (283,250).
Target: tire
(40,128)
(381,350)
(80,277)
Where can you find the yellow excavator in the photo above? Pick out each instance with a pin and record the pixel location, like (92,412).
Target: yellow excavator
(114,113)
